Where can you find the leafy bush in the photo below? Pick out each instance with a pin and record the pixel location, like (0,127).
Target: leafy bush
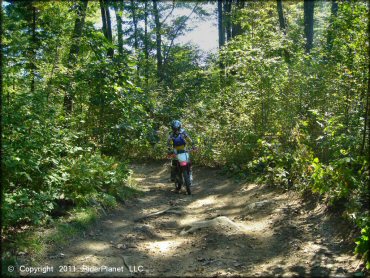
(95,176)
(341,178)
(83,180)
(283,162)
(26,206)
(363,243)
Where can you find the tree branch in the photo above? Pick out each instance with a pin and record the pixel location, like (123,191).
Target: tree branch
(176,32)
(173,7)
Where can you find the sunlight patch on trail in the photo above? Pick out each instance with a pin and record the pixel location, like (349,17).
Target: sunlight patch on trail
(139,179)
(256,226)
(204,202)
(197,208)
(165,247)
(95,246)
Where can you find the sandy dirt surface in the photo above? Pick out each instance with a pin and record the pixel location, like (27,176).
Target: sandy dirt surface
(225,228)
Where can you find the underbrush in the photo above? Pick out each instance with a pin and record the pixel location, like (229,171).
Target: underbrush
(80,180)
(34,242)
(72,193)
(292,163)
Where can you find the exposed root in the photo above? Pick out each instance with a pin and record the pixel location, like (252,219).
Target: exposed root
(124,261)
(167,210)
(218,221)
(259,205)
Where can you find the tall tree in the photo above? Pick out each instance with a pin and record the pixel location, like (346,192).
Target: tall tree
(227,18)
(135,22)
(146,44)
(118,11)
(29,13)
(308,8)
(331,31)
(282,23)
(236,24)
(181,24)
(221,33)
(221,36)
(281,16)
(158,40)
(367,119)
(107,25)
(366,127)
(74,50)
(33,66)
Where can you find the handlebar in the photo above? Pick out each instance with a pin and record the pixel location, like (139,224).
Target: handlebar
(173,155)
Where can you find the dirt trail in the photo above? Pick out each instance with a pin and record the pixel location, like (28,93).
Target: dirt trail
(272,233)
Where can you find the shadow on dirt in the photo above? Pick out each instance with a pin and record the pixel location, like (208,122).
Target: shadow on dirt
(279,236)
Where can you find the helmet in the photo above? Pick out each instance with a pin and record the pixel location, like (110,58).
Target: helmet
(176,125)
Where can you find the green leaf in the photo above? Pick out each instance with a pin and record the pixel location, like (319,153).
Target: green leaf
(28,177)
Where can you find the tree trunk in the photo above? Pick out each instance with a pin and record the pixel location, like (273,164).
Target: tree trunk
(158,41)
(109,29)
(119,28)
(227,14)
(331,32)
(107,26)
(281,16)
(104,20)
(283,26)
(136,47)
(308,7)
(75,48)
(146,47)
(49,81)
(367,107)
(33,51)
(368,95)
(236,27)
(221,37)
(134,21)
(77,32)
(221,33)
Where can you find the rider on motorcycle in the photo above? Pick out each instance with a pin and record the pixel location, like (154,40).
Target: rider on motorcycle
(176,142)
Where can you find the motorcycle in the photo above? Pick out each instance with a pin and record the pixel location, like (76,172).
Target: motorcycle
(182,176)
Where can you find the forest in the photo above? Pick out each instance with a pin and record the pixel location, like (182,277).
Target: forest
(88,87)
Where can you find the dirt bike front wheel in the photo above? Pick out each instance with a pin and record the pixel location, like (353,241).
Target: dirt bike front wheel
(177,185)
(187,181)
(178,181)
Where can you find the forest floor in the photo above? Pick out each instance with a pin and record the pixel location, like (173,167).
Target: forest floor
(255,231)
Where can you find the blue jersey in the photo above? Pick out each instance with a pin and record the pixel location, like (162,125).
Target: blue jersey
(178,141)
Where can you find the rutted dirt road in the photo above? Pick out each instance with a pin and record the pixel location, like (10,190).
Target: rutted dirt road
(255,231)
